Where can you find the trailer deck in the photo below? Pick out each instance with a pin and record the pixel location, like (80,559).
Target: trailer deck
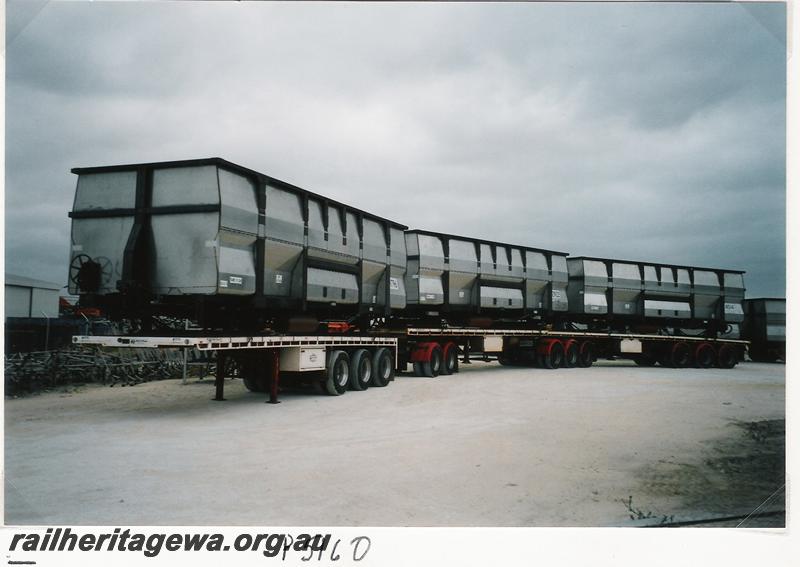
(357,361)
(474,332)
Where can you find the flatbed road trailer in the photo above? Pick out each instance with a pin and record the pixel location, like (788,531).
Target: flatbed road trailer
(342,362)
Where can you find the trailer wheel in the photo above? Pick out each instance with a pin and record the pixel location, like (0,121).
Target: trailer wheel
(382,367)
(338,373)
(726,357)
(253,375)
(255,384)
(704,356)
(586,354)
(450,359)
(680,355)
(554,356)
(360,370)
(571,353)
(433,367)
(418,371)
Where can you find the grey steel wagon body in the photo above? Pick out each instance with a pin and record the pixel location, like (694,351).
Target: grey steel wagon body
(676,295)
(226,245)
(462,274)
(210,229)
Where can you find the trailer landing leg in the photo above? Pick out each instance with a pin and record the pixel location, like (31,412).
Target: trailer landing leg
(274,377)
(219,380)
(466,359)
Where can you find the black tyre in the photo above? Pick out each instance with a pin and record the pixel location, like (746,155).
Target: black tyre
(253,375)
(554,357)
(586,355)
(726,357)
(571,354)
(418,370)
(680,356)
(255,384)
(433,367)
(360,370)
(337,373)
(704,356)
(382,367)
(450,362)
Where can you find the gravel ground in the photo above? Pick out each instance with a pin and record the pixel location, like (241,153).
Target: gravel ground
(492,446)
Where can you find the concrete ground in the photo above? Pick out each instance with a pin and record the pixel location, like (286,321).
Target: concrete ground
(491,446)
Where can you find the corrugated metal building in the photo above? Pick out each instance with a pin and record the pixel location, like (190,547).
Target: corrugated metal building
(30,298)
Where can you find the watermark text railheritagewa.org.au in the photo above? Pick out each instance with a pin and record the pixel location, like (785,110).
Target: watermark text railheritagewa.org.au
(276,545)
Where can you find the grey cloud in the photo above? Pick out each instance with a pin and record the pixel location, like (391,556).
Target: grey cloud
(644,131)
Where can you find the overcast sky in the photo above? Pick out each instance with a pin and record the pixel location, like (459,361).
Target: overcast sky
(635,131)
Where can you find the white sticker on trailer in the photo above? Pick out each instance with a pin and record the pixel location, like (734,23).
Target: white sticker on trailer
(235,280)
(278,278)
(630,345)
(556,294)
(394,284)
(223,283)
(731,308)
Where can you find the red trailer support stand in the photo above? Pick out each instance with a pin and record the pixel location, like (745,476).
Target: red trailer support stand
(275,372)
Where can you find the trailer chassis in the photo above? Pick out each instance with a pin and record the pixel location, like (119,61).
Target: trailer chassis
(260,358)
(358,361)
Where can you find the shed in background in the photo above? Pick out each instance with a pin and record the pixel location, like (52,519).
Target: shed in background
(30,298)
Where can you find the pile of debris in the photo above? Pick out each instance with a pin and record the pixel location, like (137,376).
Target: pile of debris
(34,371)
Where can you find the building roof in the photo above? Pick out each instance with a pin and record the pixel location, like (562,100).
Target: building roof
(22,281)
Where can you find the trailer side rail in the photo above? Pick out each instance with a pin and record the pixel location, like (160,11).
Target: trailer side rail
(229,343)
(473,332)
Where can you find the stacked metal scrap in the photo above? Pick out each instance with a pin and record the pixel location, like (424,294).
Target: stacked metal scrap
(33,371)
